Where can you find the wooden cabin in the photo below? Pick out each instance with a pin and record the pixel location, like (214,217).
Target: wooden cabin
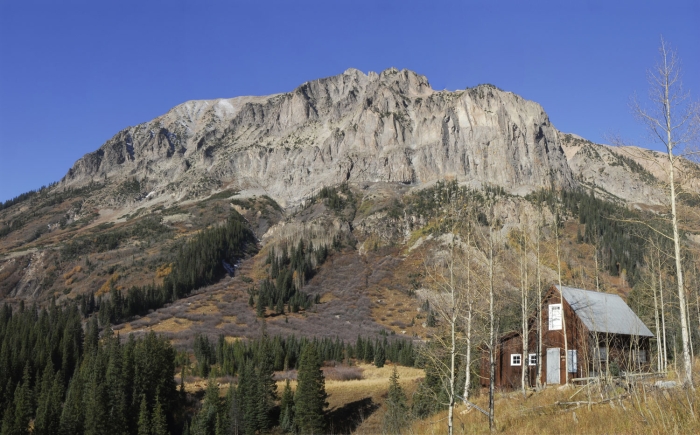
(603,334)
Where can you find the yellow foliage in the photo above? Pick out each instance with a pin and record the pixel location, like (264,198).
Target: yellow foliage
(164,270)
(107,286)
(69,275)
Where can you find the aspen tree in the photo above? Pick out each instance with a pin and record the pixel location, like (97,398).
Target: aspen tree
(524,283)
(673,121)
(539,308)
(561,296)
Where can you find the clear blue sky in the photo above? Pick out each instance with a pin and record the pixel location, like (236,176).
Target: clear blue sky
(72,74)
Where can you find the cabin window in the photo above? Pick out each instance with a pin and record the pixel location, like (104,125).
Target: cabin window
(640,356)
(555,317)
(572,361)
(532,359)
(603,353)
(515,359)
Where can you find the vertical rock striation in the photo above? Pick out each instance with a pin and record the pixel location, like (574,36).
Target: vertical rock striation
(387,127)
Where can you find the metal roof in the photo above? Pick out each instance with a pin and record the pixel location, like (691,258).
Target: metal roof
(604,312)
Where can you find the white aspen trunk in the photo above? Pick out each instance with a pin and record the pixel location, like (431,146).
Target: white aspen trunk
(697,305)
(453,352)
(595,258)
(659,352)
(685,336)
(663,315)
(523,305)
(492,336)
(563,311)
(668,77)
(468,362)
(539,312)
(690,340)
(453,341)
(468,329)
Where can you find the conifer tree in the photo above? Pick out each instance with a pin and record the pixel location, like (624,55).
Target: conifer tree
(266,386)
(246,396)
(396,406)
(158,424)
(144,427)
(379,356)
(310,397)
(369,352)
(23,405)
(210,409)
(72,415)
(42,423)
(287,409)
(7,420)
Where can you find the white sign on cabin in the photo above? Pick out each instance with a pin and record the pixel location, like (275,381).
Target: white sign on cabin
(555,318)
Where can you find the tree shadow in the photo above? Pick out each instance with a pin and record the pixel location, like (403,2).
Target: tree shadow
(346,419)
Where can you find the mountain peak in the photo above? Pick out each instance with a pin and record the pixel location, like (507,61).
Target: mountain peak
(352,127)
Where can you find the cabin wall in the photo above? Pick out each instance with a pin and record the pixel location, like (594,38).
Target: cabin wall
(507,374)
(623,350)
(577,339)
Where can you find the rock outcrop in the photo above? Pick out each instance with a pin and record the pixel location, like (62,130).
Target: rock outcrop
(630,174)
(388,127)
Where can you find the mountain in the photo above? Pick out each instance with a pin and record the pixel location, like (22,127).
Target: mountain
(387,127)
(358,166)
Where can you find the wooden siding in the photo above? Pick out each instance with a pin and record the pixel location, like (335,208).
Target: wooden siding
(579,338)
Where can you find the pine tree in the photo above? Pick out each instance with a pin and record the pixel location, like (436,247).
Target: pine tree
(95,398)
(369,352)
(49,403)
(310,397)
(158,424)
(42,423)
(73,415)
(266,386)
(23,405)
(380,356)
(210,409)
(287,409)
(144,427)
(245,394)
(396,407)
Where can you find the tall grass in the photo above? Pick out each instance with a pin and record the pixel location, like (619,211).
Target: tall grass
(639,408)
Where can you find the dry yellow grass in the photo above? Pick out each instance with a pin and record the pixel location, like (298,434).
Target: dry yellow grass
(172,324)
(396,312)
(375,385)
(205,309)
(327,297)
(226,320)
(644,412)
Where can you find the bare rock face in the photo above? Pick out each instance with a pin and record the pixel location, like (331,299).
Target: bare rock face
(610,172)
(388,127)
(630,174)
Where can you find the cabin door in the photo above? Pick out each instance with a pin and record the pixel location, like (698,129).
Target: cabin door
(553,361)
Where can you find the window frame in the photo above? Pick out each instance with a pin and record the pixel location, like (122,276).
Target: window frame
(560,321)
(602,353)
(513,357)
(532,359)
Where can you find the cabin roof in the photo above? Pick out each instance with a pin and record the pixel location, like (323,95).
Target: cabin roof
(604,312)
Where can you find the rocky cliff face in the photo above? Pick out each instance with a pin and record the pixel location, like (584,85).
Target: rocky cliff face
(630,174)
(388,127)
